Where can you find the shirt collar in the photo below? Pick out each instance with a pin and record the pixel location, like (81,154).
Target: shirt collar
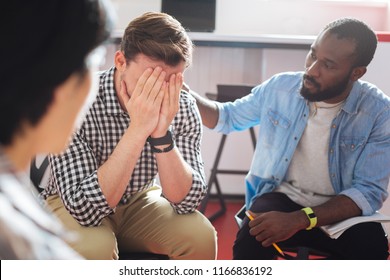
(351,103)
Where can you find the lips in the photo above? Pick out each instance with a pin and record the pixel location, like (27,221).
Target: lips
(310,83)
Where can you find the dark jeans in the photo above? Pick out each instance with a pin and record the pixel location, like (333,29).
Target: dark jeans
(363,241)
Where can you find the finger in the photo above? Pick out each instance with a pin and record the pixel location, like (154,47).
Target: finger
(172,89)
(179,85)
(161,93)
(266,242)
(153,84)
(166,99)
(141,82)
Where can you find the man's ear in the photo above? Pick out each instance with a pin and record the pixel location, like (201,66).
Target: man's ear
(120,61)
(358,72)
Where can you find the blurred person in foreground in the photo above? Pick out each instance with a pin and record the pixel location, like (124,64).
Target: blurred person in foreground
(45,81)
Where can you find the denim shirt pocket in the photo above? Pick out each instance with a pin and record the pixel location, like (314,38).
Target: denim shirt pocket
(277,124)
(350,149)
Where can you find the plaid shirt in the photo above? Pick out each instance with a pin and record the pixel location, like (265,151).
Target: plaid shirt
(74,173)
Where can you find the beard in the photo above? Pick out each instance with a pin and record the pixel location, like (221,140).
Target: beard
(325,94)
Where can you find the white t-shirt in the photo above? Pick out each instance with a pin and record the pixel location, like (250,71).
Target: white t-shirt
(307,181)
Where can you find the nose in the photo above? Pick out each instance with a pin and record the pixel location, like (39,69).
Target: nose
(312,69)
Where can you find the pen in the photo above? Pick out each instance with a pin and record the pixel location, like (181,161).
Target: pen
(273,244)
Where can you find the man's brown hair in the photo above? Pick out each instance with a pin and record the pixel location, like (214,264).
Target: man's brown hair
(158,36)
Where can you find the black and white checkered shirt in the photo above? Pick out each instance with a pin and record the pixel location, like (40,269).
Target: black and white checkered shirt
(74,173)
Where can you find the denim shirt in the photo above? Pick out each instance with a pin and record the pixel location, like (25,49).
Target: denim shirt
(359,144)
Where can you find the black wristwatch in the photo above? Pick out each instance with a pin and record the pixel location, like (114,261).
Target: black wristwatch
(165,140)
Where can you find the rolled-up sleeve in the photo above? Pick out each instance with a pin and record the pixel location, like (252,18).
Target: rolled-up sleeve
(74,174)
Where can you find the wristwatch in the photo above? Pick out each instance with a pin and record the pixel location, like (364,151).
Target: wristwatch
(165,140)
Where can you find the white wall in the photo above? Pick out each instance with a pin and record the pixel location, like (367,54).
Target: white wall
(305,17)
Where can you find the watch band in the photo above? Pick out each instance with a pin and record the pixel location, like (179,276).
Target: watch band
(165,140)
(165,150)
(311,216)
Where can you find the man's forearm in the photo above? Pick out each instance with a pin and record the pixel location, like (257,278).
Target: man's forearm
(114,175)
(337,209)
(207,108)
(175,175)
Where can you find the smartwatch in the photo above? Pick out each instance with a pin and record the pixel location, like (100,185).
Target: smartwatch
(311,216)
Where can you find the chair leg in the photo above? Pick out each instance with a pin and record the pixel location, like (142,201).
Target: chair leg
(222,203)
(213,179)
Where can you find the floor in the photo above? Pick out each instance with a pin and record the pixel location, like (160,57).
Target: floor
(226,226)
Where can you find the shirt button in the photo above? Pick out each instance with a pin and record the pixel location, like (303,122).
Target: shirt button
(352,146)
(276,122)
(331,151)
(333,126)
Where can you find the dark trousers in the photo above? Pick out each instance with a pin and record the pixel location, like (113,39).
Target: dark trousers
(365,241)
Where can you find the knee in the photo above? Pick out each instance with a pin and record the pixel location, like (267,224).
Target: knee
(197,240)
(246,247)
(96,243)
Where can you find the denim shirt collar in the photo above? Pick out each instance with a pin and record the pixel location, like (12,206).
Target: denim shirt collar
(351,104)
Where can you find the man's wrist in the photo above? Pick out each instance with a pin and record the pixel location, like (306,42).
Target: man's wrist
(162,144)
(310,216)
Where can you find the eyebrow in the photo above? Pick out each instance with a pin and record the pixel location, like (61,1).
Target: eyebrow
(312,49)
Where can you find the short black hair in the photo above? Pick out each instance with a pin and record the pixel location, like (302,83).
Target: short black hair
(45,42)
(363,36)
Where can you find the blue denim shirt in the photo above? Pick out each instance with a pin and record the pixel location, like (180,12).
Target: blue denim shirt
(359,144)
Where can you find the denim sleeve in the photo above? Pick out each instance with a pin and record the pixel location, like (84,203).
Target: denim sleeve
(241,114)
(372,169)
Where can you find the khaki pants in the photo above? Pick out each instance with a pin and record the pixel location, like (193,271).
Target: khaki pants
(147,223)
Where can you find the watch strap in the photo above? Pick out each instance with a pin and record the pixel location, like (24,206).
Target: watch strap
(311,216)
(165,150)
(165,140)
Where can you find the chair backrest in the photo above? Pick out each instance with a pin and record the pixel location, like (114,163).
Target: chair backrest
(39,172)
(226,93)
